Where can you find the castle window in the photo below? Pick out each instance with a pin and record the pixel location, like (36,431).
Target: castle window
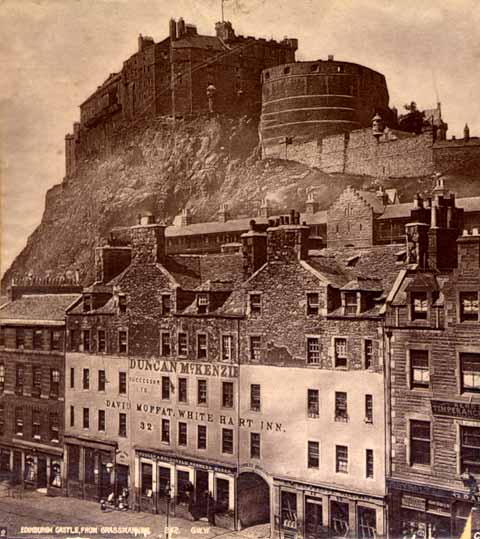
(419,305)
(340,353)
(468,306)
(470,372)
(419,369)
(314,68)
(312,303)
(286,70)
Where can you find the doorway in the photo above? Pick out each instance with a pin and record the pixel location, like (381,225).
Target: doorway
(253,500)
(41,472)
(201,493)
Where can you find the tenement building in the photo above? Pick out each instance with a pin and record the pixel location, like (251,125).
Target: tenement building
(32,397)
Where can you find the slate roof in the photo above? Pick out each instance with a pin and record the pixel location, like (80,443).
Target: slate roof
(38,307)
(371,198)
(397,211)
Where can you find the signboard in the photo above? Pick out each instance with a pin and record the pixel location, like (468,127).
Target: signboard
(439,508)
(467,410)
(182,367)
(185,462)
(413,502)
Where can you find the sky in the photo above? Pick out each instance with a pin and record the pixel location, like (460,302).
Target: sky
(54,53)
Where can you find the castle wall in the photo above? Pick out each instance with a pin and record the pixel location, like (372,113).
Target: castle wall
(306,153)
(456,154)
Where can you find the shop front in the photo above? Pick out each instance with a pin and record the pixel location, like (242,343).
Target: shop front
(178,486)
(313,512)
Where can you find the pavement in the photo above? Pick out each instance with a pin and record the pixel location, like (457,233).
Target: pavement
(32,515)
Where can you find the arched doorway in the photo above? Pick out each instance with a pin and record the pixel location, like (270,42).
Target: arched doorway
(253,500)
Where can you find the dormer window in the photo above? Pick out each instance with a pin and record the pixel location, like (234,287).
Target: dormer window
(87,303)
(122,303)
(419,305)
(202,303)
(468,306)
(312,303)
(351,303)
(255,303)
(166,304)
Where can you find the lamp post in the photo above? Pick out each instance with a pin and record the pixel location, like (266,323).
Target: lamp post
(167,493)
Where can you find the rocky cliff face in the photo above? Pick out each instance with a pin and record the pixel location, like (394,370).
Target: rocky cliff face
(162,168)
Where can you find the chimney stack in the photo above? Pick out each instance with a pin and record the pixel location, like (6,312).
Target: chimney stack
(311,205)
(110,262)
(148,240)
(254,249)
(288,240)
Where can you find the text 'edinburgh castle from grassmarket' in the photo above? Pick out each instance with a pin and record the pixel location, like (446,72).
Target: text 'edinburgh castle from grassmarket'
(316,372)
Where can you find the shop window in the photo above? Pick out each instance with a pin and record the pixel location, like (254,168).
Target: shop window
(2,377)
(227,441)
(419,369)
(122,383)
(227,394)
(202,437)
(313,350)
(470,373)
(222,488)
(122,303)
(313,518)
(86,340)
(182,344)
(255,346)
(54,383)
(288,509)
(351,303)
(165,343)
(369,463)
(36,424)
(72,377)
(255,397)
(367,523)
(55,474)
(313,403)
(470,449)
(420,443)
(183,486)
(73,466)
(201,345)
(419,305)
(122,342)
(166,304)
(340,353)
(341,459)
(102,343)
(146,479)
(202,303)
(182,433)
(226,348)
(163,480)
(86,418)
(341,409)
(255,445)
(182,390)
(72,416)
(202,395)
(86,379)
(312,303)
(339,518)
(122,425)
(37,339)
(313,458)
(54,427)
(255,303)
(165,388)
(20,338)
(166,431)
(19,379)
(368,353)
(468,306)
(101,420)
(36,381)
(368,408)
(19,421)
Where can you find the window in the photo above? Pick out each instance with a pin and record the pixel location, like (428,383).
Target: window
(222,494)
(313,350)
(165,343)
(255,344)
(165,388)
(419,370)
(313,406)
(163,480)
(468,306)
(182,433)
(201,392)
(182,390)
(183,486)
(202,303)
(122,303)
(86,418)
(255,399)
(226,348)
(72,377)
(19,421)
(147,482)
(367,523)
(37,339)
(255,445)
(86,340)
(341,411)
(227,394)
(470,372)
(288,509)
(368,352)
(56,340)
(87,303)
(202,437)
(73,462)
(86,379)
(74,340)
(19,379)
(369,463)
(420,442)
(72,416)
(101,420)
(351,303)
(470,449)
(368,408)
(122,342)
(54,383)
(312,303)
(419,305)
(2,420)
(122,425)
(54,427)
(20,338)
(2,336)
(36,381)
(313,458)
(2,377)
(36,426)
(182,344)
(227,441)
(201,346)
(340,353)
(341,459)
(166,431)
(122,383)
(102,346)
(255,303)
(166,304)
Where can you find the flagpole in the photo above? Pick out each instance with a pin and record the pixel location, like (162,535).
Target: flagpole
(222,10)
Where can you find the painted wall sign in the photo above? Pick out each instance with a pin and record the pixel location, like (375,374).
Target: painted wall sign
(185,462)
(183,367)
(413,502)
(467,410)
